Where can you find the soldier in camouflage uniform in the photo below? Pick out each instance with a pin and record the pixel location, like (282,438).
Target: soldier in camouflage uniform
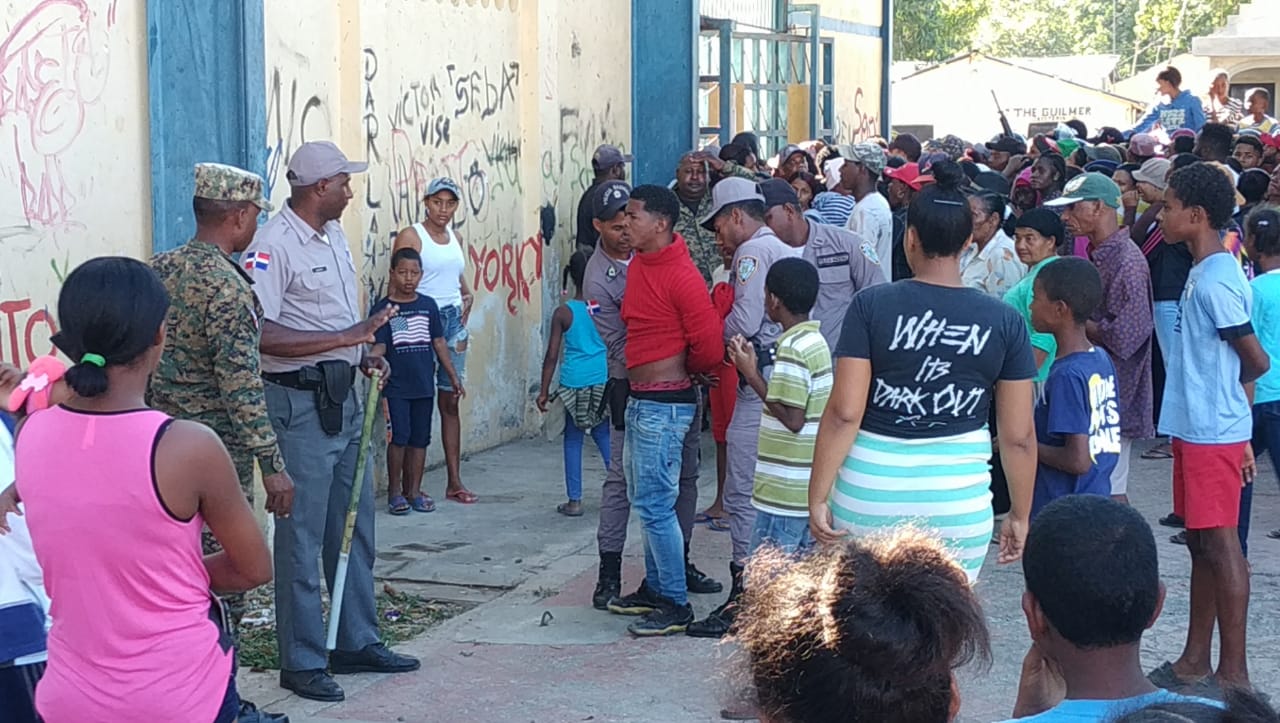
(693,188)
(210,369)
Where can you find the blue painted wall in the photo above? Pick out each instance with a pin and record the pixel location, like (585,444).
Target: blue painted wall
(663,86)
(207,100)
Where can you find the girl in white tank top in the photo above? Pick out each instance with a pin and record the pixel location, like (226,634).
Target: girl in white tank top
(442,266)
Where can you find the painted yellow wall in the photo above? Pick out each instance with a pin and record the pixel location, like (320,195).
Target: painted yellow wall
(857,71)
(74,169)
(509,98)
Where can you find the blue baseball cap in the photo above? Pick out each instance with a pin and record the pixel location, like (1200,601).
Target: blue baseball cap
(443,184)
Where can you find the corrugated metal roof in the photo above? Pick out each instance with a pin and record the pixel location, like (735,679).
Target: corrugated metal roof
(757,13)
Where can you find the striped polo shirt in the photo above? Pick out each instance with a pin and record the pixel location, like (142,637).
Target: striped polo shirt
(801,379)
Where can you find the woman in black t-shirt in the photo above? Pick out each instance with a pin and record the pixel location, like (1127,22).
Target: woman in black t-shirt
(904,438)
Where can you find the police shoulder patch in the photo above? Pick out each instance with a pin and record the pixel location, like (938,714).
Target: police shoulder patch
(747,266)
(869,251)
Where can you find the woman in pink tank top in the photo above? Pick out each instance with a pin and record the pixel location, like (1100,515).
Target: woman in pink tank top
(116,495)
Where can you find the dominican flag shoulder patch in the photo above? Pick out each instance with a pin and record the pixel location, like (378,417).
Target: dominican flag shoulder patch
(256,260)
(593,307)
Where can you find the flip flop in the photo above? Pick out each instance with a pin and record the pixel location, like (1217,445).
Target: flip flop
(423,503)
(1274,534)
(465,497)
(718,524)
(1164,677)
(1172,520)
(1179,538)
(1160,451)
(398,505)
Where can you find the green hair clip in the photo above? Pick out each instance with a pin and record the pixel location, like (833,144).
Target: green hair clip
(95,359)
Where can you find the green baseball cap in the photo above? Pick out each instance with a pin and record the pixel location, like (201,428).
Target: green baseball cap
(1089,187)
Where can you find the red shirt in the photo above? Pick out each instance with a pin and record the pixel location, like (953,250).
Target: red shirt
(667,311)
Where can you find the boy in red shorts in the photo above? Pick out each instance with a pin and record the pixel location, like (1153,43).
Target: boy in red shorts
(1213,361)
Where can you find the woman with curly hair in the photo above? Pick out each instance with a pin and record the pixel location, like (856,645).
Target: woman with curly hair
(866,631)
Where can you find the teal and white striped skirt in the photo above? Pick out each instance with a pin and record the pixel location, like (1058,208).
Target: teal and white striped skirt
(941,485)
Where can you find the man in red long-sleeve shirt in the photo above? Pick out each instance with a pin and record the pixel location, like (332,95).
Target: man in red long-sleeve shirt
(673,332)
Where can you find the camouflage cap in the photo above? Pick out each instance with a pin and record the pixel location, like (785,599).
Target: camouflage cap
(219,182)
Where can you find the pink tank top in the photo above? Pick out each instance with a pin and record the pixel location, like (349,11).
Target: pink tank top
(132,637)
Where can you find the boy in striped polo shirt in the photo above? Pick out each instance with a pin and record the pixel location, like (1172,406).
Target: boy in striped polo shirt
(795,396)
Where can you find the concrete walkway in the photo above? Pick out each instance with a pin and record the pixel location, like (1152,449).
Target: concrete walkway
(534,650)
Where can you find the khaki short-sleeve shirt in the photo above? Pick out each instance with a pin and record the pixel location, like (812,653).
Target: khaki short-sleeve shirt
(305,280)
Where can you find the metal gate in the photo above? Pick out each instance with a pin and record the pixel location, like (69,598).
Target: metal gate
(772,88)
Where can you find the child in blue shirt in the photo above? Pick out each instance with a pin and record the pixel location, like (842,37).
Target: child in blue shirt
(410,342)
(583,376)
(1077,418)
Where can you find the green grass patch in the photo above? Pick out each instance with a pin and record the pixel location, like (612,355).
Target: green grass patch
(401,616)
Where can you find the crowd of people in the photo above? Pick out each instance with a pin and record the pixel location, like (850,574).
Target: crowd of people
(893,343)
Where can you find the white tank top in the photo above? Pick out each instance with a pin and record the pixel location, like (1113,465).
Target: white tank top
(442,266)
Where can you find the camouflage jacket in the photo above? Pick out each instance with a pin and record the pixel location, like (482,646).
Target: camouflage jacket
(210,370)
(702,243)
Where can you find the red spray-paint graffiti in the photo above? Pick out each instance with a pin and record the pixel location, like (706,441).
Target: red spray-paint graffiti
(513,266)
(52,65)
(24,335)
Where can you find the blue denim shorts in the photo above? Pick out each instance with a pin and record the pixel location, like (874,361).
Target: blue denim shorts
(789,534)
(455,336)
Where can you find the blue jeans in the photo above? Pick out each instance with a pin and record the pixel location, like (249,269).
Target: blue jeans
(652,454)
(455,336)
(573,453)
(1266,439)
(787,534)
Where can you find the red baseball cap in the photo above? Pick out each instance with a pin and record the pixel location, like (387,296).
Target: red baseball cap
(909,174)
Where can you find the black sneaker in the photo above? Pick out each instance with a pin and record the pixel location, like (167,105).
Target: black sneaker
(698,583)
(667,619)
(1172,520)
(606,589)
(641,602)
(715,625)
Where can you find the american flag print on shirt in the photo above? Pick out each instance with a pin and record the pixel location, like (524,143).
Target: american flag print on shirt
(410,330)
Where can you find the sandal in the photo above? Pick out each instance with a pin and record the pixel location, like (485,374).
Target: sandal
(1165,677)
(1173,520)
(466,497)
(1179,538)
(1274,534)
(718,524)
(572,508)
(398,505)
(1164,450)
(423,503)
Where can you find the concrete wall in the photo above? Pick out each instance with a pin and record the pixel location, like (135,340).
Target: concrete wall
(509,98)
(858,73)
(74,173)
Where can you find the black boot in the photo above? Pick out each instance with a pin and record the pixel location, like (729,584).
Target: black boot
(718,623)
(695,580)
(609,585)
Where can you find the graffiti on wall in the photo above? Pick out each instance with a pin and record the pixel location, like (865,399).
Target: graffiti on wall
(53,65)
(24,332)
(863,124)
(293,118)
(566,166)
(454,122)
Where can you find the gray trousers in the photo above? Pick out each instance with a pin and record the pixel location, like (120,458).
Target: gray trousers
(742,440)
(615,508)
(322,468)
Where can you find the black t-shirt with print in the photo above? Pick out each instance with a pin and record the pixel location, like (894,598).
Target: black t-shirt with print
(936,352)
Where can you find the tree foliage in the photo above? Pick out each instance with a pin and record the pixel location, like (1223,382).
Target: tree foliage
(933,30)
(1142,32)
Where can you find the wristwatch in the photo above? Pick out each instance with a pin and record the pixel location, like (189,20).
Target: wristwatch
(271,463)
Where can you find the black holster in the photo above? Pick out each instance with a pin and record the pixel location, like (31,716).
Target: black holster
(334,385)
(766,354)
(616,392)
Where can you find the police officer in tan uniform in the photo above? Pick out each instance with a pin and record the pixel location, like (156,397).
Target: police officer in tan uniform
(314,338)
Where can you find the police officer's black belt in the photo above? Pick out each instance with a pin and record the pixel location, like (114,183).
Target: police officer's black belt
(307,378)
